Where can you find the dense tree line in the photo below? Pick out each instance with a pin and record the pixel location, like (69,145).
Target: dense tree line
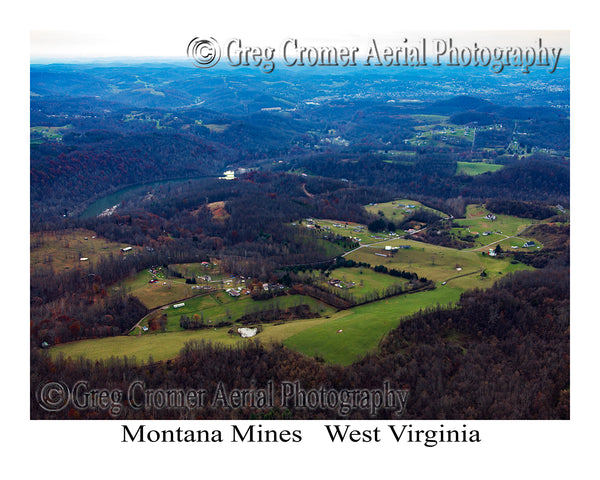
(198,322)
(275,314)
(421,215)
(517,208)
(77,317)
(442,235)
(517,332)
(342,298)
(411,276)
(556,240)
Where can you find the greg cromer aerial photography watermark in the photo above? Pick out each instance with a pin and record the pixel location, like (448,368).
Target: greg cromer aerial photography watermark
(208,52)
(55,396)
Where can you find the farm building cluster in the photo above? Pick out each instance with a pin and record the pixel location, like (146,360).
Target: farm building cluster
(406,207)
(334,282)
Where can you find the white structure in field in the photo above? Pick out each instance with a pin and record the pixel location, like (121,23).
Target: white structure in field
(247,332)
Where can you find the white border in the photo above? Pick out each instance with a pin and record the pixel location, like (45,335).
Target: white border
(93,449)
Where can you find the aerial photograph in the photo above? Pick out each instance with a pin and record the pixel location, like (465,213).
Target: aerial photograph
(375,230)
(325,239)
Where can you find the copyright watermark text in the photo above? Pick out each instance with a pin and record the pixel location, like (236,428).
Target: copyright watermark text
(81,396)
(207,52)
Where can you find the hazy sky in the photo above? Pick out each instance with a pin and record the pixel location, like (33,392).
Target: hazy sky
(69,29)
(72,44)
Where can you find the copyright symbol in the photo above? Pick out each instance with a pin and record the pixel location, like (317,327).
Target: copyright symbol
(204,53)
(53,396)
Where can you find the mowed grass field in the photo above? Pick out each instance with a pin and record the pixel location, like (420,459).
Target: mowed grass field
(220,306)
(169,289)
(394,212)
(350,229)
(165,346)
(476,168)
(371,281)
(506,224)
(152,295)
(441,264)
(363,327)
(63,249)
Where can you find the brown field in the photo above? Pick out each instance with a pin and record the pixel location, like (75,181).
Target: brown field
(217,209)
(63,249)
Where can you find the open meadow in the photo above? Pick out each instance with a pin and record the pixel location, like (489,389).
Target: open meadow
(221,307)
(461,268)
(398,210)
(167,288)
(67,249)
(350,334)
(362,328)
(495,228)
(476,168)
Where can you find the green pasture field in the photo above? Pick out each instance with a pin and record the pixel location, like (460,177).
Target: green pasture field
(171,289)
(428,136)
(165,346)
(356,230)
(363,327)
(220,306)
(393,212)
(505,224)
(476,168)
(485,242)
(337,336)
(372,281)
(152,295)
(480,240)
(508,244)
(50,133)
(441,264)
